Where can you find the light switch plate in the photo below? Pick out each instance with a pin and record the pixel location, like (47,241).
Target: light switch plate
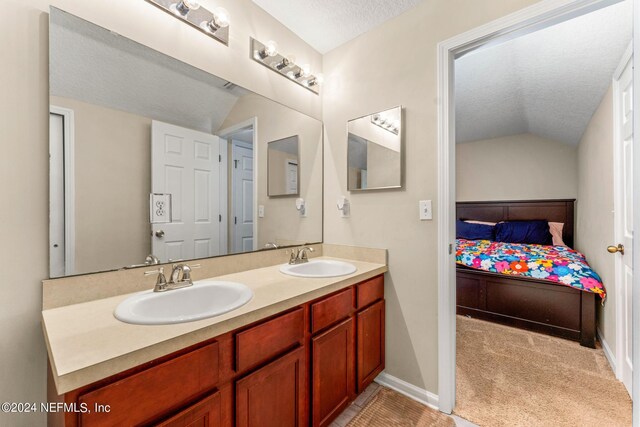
(426,212)
(260,211)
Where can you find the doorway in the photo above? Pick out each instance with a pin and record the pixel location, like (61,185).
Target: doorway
(61,192)
(523,22)
(239,157)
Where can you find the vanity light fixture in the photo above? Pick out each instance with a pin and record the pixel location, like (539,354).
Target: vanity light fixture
(214,23)
(385,123)
(267,54)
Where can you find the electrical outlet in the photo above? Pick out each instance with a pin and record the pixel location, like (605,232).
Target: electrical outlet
(426,212)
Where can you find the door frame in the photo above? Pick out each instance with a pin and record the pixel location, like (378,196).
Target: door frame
(69,174)
(225,134)
(617,203)
(540,15)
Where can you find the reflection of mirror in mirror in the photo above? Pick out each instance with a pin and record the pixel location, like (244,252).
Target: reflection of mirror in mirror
(153,160)
(374,155)
(283,167)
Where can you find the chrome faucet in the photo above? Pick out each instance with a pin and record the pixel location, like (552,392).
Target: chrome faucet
(300,256)
(271,245)
(180,277)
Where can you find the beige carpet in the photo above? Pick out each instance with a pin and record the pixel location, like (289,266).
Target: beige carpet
(510,377)
(389,409)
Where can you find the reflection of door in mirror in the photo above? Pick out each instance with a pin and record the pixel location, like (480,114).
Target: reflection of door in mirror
(292,176)
(242,195)
(185,164)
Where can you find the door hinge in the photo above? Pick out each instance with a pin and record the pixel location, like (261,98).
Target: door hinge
(450,248)
(235,164)
(219,158)
(235,219)
(219,218)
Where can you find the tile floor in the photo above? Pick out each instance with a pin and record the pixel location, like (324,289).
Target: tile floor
(364,398)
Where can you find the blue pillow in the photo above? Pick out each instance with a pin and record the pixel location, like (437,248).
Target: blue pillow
(469,231)
(528,232)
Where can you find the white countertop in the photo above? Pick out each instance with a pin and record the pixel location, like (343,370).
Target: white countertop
(86,343)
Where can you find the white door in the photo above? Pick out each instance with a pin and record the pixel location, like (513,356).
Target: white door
(185,165)
(623,117)
(292,177)
(242,196)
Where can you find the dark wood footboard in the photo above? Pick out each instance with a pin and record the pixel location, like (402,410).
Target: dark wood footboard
(528,303)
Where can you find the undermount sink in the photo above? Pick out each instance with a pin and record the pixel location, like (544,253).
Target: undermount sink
(206,298)
(319,268)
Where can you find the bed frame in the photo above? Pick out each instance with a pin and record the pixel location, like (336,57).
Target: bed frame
(526,302)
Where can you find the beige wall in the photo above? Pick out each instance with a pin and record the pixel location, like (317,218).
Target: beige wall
(595,217)
(24,130)
(357,84)
(282,222)
(544,169)
(113,181)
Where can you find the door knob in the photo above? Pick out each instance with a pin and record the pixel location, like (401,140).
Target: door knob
(614,249)
(159,233)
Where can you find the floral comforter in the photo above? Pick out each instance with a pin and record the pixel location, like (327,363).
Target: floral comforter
(557,264)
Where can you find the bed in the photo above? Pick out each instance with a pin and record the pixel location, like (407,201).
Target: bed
(526,302)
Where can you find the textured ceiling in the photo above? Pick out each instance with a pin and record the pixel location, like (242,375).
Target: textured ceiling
(94,65)
(548,83)
(326,24)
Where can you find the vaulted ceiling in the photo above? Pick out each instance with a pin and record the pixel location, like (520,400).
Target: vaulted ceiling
(326,24)
(548,83)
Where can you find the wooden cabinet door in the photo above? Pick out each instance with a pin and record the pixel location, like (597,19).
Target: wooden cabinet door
(275,395)
(370,344)
(333,375)
(205,413)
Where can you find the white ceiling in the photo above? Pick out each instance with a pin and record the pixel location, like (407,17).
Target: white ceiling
(326,24)
(548,83)
(97,66)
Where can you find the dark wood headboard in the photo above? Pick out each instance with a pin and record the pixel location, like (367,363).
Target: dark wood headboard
(550,210)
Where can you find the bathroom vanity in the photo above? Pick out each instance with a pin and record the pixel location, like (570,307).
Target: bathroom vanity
(297,354)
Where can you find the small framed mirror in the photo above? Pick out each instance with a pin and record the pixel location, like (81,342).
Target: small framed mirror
(283,167)
(374,156)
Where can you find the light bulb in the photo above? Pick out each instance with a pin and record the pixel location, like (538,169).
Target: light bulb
(317,80)
(303,71)
(287,61)
(220,20)
(221,17)
(320,78)
(271,48)
(183,7)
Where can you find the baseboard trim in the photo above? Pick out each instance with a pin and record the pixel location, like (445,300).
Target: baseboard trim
(416,393)
(607,352)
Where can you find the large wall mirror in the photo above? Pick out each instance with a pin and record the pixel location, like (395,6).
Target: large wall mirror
(374,156)
(153,160)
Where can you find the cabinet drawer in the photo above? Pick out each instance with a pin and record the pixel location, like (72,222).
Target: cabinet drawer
(205,413)
(155,392)
(370,291)
(331,310)
(266,340)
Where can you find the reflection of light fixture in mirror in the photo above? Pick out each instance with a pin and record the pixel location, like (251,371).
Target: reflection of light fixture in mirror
(183,7)
(286,61)
(269,49)
(385,123)
(267,54)
(219,20)
(317,80)
(214,24)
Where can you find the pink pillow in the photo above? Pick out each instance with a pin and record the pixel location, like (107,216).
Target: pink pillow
(555,228)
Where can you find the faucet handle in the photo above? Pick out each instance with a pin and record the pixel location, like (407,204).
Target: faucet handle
(161,281)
